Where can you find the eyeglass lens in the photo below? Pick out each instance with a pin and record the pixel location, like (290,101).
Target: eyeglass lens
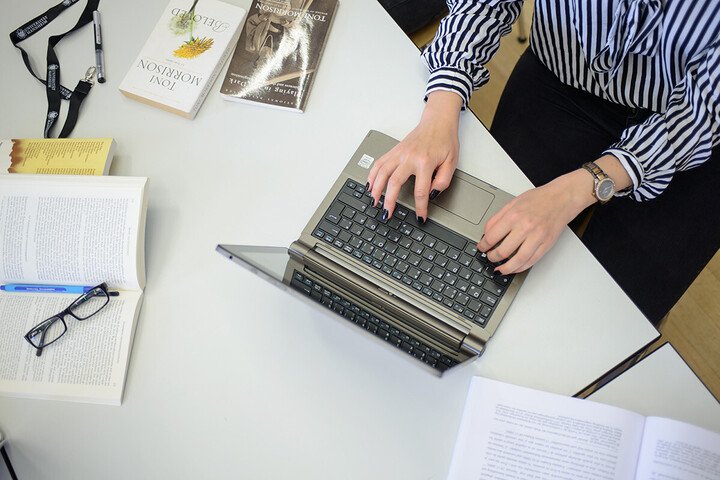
(89,304)
(47,332)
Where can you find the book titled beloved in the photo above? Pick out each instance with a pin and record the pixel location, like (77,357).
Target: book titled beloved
(508,432)
(278,53)
(183,55)
(70,230)
(65,156)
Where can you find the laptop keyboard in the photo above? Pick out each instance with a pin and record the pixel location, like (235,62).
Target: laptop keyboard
(371,323)
(440,264)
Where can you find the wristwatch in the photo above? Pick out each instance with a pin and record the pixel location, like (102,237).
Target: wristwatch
(604,188)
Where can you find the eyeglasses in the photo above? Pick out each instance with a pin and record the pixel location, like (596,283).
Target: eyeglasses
(85,306)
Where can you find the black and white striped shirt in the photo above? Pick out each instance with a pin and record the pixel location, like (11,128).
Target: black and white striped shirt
(660,55)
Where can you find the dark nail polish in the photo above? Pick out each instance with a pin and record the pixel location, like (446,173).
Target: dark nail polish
(367,186)
(434,194)
(385,214)
(420,220)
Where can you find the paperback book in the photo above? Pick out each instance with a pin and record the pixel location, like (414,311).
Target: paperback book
(70,230)
(278,54)
(509,432)
(183,55)
(59,156)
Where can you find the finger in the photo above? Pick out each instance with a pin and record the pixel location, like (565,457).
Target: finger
(520,260)
(506,247)
(441,179)
(374,169)
(495,230)
(383,169)
(395,182)
(423,180)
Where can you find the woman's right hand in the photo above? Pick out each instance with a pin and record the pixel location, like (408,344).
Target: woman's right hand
(429,152)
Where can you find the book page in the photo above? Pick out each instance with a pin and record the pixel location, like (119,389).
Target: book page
(509,432)
(675,450)
(87,364)
(72,230)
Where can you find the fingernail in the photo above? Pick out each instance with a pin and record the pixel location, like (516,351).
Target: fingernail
(420,220)
(367,186)
(434,194)
(385,214)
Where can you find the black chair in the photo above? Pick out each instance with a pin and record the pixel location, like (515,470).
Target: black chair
(412,15)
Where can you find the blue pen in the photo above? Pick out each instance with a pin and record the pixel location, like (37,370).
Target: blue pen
(45,288)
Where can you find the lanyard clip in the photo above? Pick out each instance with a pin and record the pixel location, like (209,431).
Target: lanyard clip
(89,76)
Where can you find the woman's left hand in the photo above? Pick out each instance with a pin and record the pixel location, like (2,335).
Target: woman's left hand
(525,229)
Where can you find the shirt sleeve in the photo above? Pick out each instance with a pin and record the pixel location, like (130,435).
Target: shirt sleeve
(679,139)
(467,39)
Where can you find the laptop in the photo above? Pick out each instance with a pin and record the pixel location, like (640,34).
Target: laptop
(422,290)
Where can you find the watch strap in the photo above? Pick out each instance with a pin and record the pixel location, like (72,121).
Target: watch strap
(598,176)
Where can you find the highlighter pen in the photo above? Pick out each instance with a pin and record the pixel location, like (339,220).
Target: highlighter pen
(45,288)
(99,58)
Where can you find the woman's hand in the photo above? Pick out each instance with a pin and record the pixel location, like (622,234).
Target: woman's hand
(525,229)
(430,152)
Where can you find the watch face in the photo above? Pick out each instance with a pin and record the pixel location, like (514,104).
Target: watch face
(605,189)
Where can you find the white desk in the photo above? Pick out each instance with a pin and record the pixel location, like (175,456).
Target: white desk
(231,378)
(663,385)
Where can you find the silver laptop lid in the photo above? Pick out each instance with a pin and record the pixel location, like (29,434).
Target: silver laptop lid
(382,324)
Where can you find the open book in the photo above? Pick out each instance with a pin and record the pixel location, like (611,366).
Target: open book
(70,230)
(510,432)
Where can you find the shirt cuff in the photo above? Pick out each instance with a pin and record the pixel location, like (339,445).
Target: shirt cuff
(450,80)
(632,165)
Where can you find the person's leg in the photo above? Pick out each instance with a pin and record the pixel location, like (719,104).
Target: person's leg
(656,249)
(549,128)
(652,249)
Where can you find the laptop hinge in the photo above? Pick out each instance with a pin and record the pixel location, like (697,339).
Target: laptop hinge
(475,345)
(394,305)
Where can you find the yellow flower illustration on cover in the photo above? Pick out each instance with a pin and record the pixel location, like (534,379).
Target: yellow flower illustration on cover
(194,48)
(183,24)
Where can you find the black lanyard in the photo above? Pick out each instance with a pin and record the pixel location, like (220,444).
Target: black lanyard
(55,91)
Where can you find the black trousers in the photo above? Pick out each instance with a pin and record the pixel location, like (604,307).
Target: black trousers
(653,249)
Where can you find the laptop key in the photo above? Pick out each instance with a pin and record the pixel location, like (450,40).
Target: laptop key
(477,279)
(352,202)
(391,247)
(474,305)
(465,273)
(345,223)
(349,212)
(360,218)
(462,298)
(493,288)
(465,259)
(488,298)
(450,293)
(329,228)
(334,212)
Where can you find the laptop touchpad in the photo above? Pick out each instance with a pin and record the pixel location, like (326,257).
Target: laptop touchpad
(462,199)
